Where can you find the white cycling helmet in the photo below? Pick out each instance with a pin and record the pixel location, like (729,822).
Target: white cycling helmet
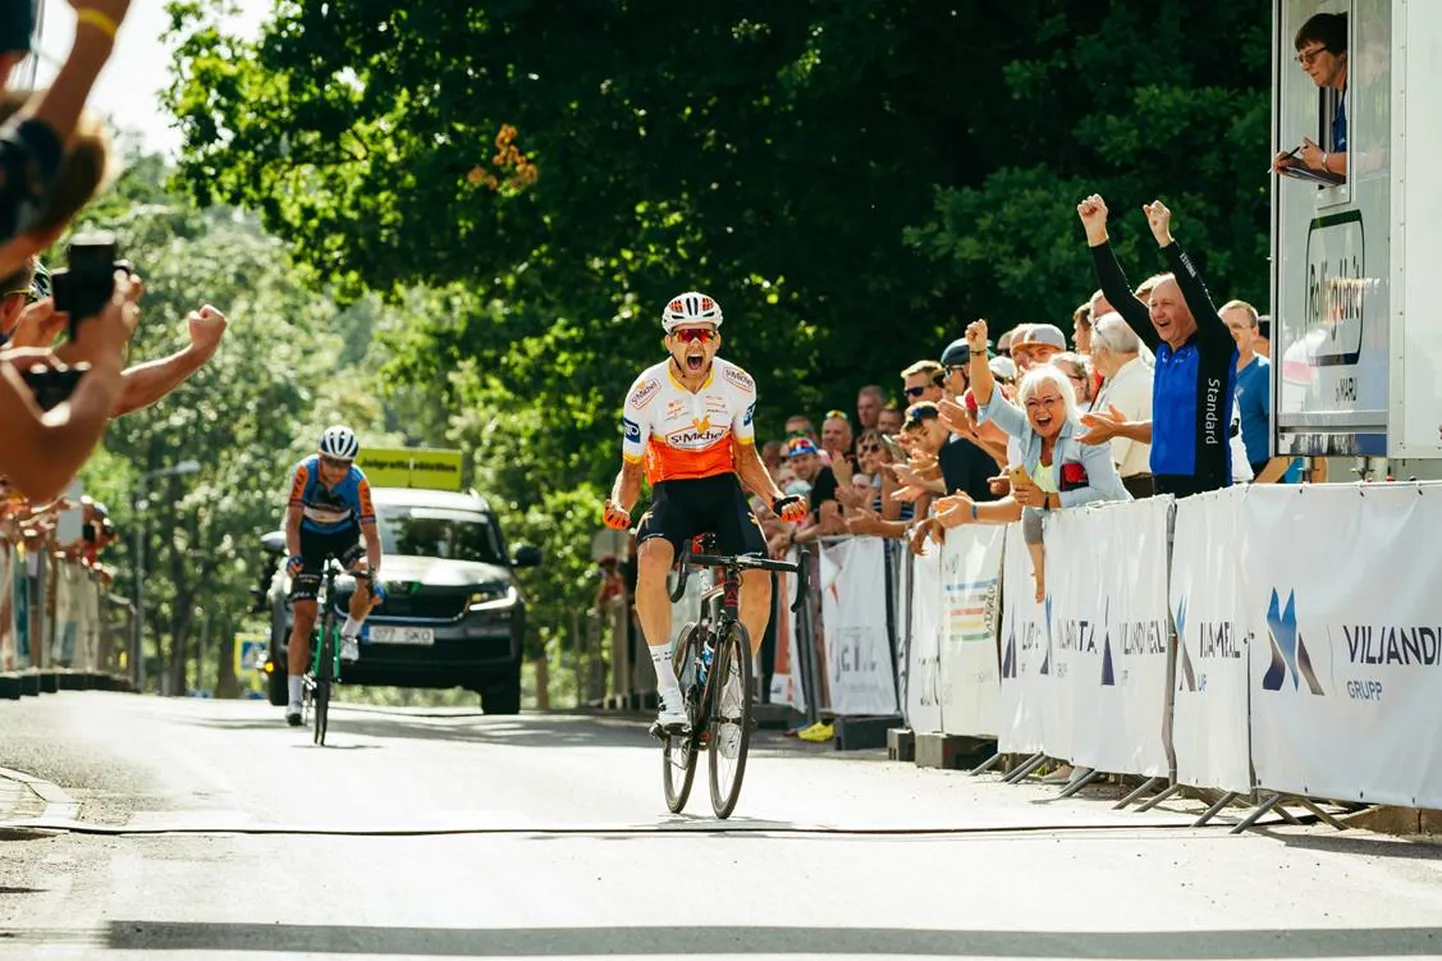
(691,307)
(339,442)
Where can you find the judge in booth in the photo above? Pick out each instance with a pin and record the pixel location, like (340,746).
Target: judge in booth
(1322,54)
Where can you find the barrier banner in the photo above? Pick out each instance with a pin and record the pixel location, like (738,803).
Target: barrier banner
(1344,679)
(900,561)
(1210,734)
(970,600)
(923,680)
(857,645)
(1025,653)
(1106,574)
(786,685)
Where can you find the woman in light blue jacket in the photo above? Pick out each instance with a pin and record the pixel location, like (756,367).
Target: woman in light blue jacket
(1056,469)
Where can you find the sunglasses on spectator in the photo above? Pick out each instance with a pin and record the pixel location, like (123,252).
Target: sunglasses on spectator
(837,415)
(915,391)
(1306,57)
(688,334)
(868,449)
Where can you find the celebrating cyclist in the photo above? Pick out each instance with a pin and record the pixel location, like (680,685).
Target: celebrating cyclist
(687,420)
(330,507)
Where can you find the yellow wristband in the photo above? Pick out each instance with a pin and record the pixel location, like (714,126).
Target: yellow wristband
(96,19)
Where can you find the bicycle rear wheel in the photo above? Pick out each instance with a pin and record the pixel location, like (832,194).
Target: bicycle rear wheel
(730,718)
(678,754)
(324,674)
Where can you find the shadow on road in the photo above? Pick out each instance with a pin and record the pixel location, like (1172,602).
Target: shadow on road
(523,730)
(1379,846)
(665,941)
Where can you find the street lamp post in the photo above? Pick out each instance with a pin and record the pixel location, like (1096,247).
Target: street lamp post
(138,642)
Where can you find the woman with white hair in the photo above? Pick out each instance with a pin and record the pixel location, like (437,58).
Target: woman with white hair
(1127,387)
(1055,470)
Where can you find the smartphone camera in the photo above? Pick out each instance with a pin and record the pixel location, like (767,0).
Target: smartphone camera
(52,385)
(84,287)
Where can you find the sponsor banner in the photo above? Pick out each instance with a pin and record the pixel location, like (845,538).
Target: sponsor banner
(786,684)
(411,467)
(1025,653)
(853,616)
(970,600)
(1345,674)
(1210,734)
(1112,631)
(923,675)
(7,608)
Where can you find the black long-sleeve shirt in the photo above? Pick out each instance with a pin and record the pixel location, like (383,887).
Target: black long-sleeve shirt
(1195,385)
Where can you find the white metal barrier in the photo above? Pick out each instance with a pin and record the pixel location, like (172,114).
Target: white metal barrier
(1291,630)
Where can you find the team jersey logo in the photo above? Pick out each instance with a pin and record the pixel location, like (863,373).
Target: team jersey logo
(740,378)
(642,395)
(633,430)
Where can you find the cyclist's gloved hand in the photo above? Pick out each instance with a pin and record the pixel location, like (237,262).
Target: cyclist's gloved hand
(293,566)
(792,508)
(617,517)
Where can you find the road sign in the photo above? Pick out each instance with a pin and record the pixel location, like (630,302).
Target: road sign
(250,654)
(428,468)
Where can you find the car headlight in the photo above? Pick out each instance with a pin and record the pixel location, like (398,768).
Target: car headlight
(490,597)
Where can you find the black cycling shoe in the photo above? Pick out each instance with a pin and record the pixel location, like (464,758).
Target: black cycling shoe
(294,720)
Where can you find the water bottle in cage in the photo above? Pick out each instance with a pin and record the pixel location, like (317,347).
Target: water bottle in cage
(708,650)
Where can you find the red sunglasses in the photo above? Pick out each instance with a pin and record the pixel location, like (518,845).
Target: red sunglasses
(689,334)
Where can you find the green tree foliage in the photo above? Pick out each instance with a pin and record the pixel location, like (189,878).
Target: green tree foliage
(246,416)
(853,182)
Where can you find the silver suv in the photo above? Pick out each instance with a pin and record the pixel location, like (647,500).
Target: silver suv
(453,615)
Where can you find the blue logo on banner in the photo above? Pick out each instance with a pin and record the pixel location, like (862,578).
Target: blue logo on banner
(1289,651)
(1008,657)
(1187,679)
(1046,661)
(1109,677)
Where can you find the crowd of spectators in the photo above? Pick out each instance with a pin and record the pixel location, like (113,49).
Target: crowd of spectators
(1157,391)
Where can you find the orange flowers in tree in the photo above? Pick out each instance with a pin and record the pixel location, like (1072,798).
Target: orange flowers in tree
(515,170)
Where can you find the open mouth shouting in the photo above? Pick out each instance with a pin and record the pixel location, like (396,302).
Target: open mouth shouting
(695,359)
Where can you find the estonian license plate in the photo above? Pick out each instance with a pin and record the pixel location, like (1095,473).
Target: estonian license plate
(402,635)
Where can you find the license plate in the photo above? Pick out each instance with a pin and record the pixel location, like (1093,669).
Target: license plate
(402,635)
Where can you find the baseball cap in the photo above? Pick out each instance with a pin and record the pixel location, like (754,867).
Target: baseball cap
(798,446)
(958,352)
(1002,368)
(1045,335)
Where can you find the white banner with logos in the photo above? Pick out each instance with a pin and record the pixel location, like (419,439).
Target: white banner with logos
(970,600)
(853,615)
(1345,676)
(1106,574)
(1026,683)
(923,649)
(1210,733)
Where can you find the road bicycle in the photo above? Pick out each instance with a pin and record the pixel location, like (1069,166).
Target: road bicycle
(714,665)
(325,657)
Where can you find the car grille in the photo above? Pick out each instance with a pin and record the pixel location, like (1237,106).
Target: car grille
(430,607)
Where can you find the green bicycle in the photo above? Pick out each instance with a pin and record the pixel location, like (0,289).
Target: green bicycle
(325,658)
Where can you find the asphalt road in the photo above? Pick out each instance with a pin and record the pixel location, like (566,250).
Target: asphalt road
(209,830)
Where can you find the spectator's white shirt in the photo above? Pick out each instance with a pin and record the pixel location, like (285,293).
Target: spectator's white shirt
(1241,467)
(1130,389)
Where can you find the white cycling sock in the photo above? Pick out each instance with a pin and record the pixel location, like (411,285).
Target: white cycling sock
(666,684)
(351,627)
(293,685)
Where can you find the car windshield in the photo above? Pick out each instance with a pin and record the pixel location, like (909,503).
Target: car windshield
(432,532)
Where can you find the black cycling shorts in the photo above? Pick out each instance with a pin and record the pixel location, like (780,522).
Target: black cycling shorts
(315,548)
(684,509)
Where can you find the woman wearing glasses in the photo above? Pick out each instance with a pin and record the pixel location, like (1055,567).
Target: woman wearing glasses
(1322,54)
(1056,470)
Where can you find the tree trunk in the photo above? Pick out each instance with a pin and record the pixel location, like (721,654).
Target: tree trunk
(226,684)
(543,684)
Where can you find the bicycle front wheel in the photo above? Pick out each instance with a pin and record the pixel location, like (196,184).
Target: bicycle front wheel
(730,718)
(324,674)
(678,755)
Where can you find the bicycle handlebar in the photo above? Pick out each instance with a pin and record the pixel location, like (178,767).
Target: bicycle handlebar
(687,560)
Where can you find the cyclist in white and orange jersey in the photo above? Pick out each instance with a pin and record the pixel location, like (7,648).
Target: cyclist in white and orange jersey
(688,429)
